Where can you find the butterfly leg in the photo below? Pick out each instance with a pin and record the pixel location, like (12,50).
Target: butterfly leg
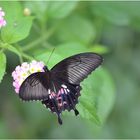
(76,112)
(59,119)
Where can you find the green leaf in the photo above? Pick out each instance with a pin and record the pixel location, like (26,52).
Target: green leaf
(65,50)
(13,10)
(88,111)
(99,49)
(76,28)
(16,30)
(13,49)
(97,96)
(50,9)
(18,26)
(71,48)
(2,65)
(105,93)
(61,9)
(60,53)
(120,13)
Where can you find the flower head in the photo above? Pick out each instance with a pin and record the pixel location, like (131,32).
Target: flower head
(22,72)
(2,20)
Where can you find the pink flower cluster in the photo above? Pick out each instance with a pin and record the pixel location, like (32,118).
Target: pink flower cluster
(23,71)
(2,20)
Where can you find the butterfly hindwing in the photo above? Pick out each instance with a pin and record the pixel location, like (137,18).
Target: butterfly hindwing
(35,87)
(76,68)
(65,98)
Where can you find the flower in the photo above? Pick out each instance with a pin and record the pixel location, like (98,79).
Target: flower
(2,20)
(22,72)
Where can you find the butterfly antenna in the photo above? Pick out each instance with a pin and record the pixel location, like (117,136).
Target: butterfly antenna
(50,56)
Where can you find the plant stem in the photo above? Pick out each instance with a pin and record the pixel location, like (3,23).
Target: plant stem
(27,56)
(21,59)
(40,40)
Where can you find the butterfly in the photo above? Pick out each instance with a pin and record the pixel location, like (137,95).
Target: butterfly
(59,88)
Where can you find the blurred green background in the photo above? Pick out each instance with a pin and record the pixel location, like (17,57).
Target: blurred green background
(111,29)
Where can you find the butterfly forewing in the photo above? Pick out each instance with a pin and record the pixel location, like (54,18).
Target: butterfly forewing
(35,87)
(76,68)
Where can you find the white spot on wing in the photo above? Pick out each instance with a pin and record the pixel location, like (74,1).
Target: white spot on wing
(64,86)
(68,90)
(65,90)
(49,91)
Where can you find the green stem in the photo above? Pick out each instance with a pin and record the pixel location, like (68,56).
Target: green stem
(19,53)
(38,41)
(21,59)
(27,56)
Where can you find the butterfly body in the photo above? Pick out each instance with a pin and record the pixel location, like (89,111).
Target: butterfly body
(59,88)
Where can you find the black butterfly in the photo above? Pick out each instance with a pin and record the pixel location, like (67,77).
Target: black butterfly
(59,88)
